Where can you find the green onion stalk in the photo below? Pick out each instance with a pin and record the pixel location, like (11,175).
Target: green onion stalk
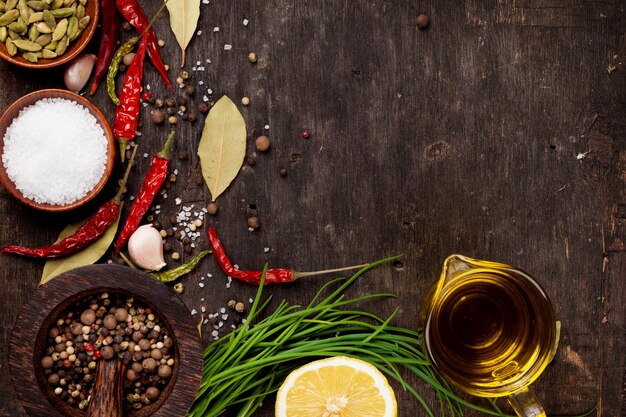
(243,368)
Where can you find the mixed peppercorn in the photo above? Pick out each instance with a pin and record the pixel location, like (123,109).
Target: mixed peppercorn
(106,327)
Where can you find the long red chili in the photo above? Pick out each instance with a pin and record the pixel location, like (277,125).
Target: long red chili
(127,113)
(108,41)
(272,276)
(95,227)
(151,184)
(134,14)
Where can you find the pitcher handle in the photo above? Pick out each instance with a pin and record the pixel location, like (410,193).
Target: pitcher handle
(525,404)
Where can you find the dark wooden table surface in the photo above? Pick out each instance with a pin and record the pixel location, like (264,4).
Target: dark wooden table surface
(498,132)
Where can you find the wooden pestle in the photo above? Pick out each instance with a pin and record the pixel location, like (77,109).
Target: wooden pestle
(106,399)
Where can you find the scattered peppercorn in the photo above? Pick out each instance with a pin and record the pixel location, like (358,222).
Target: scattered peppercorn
(262,143)
(245,101)
(190,90)
(175,256)
(251,160)
(305,134)
(159,102)
(172,120)
(283,172)
(128,58)
(161,42)
(167,247)
(254,222)
(252,57)
(146,95)
(182,155)
(170,111)
(212,208)
(422,20)
(170,102)
(179,80)
(239,307)
(232,304)
(158,117)
(182,101)
(179,288)
(203,108)
(192,117)
(184,75)
(122,68)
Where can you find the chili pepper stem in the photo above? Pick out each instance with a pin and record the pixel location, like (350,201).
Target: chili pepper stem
(154,18)
(118,197)
(297,275)
(165,152)
(128,261)
(123,144)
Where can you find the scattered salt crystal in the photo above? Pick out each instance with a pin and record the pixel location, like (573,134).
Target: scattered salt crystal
(216,29)
(266,250)
(200,82)
(250,229)
(203,308)
(232,326)
(209,274)
(243,321)
(250,300)
(214,333)
(35,151)
(199,33)
(176,171)
(205,321)
(205,99)
(245,22)
(131,198)
(202,299)
(109,261)
(228,285)
(145,104)
(228,47)
(193,68)
(205,1)
(209,91)
(201,285)
(208,61)
(224,316)
(222,310)
(178,201)
(267,127)
(137,133)
(194,312)
(145,155)
(220,324)
(236,266)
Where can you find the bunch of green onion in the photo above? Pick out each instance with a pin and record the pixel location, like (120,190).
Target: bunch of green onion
(243,368)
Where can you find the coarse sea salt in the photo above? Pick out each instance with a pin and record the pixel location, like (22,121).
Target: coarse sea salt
(55,151)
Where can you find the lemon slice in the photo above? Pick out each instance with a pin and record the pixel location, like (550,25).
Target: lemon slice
(336,387)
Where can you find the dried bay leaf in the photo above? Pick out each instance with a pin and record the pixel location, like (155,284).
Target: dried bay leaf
(184,15)
(87,256)
(222,147)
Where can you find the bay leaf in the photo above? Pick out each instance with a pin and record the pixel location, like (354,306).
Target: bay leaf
(222,147)
(184,15)
(87,256)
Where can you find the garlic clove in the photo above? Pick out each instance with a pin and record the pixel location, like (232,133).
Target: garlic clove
(145,248)
(78,71)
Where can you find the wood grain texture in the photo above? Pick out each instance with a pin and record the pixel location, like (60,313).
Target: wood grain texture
(42,309)
(107,400)
(499,132)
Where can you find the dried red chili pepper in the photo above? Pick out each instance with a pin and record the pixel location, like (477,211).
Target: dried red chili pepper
(272,276)
(132,11)
(95,226)
(127,113)
(108,41)
(151,185)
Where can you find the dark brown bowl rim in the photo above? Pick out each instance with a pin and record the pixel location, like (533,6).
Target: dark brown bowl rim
(31,98)
(65,289)
(76,48)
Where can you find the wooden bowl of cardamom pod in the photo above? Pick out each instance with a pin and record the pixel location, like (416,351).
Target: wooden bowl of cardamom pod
(46,33)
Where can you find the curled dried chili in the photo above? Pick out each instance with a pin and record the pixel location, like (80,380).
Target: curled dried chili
(127,113)
(108,41)
(272,276)
(93,228)
(151,184)
(134,14)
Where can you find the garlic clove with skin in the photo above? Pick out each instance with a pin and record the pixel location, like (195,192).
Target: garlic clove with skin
(145,248)
(78,71)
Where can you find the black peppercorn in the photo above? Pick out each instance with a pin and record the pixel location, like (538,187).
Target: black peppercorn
(170,102)
(203,107)
(283,172)
(192,117)
(170,111)
(182,101)
(190,90)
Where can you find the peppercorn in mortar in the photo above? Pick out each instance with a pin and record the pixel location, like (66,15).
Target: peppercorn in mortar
(105,327)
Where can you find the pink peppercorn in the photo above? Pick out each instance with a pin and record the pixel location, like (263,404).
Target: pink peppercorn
(305,134)
(97,354)
(88,347)
(146,96)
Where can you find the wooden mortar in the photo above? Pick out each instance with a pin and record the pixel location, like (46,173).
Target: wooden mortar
(29,334)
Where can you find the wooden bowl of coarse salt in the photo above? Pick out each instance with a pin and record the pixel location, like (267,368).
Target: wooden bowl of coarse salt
(57,150)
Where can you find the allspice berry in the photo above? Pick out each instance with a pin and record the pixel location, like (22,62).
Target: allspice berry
(47,362)
(88,317)
(158,117)
(165,371)
(212,209)
(110,322)
(190,90)
(107,353)
(262,143)
(149,365)
(120,314)
(254,222)
(422,21)
(152,393)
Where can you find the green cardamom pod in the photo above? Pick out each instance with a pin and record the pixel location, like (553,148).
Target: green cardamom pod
(62,46)
(43,28)
(37,5)
(56,4)
(72,28)
(48,54)
(80,11)
(27,46)
(11,4)
(4,34)
(68,3)
(44,39)
(35,17)
(11,48)
(52,46)
(13,35)
(33,33)
(60,30)
(30,57)
(19,27)
(3,6)
(49,19)
(63,12)
(24,10)
(82,23)
(9,17)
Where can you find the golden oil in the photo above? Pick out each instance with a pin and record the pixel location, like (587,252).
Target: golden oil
(490,331)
